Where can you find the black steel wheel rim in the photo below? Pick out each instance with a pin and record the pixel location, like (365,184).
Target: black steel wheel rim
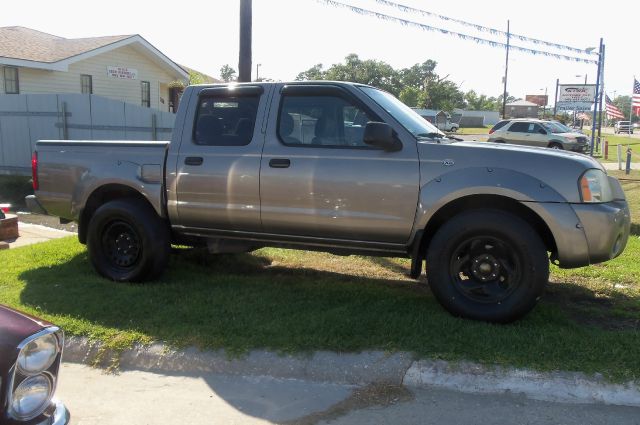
(485,269)
(121,245)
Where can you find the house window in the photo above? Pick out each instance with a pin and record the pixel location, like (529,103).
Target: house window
(11,85)
(146,94)
(86,84)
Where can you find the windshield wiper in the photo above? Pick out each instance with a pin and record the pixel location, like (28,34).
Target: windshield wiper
(433,135)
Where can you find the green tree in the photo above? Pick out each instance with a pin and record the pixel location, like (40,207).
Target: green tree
(419,74)
(195,78)
(227,73)
(481,102)
(313,73)
(624,104)
(412,96)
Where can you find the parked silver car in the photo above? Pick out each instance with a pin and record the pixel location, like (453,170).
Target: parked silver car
(532,132)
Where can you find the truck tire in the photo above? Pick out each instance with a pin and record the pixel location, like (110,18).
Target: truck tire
(487,265)
(128,241)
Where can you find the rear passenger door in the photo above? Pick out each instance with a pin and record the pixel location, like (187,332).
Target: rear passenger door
(320,180)
(517,133)
(217,169)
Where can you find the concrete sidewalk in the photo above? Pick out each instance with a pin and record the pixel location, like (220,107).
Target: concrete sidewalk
(34,233)
(614,165)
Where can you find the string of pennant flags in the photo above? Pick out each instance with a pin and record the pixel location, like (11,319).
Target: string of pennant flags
(481,28)
(425,27)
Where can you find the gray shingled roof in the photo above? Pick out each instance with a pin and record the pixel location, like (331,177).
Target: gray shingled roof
(27,44)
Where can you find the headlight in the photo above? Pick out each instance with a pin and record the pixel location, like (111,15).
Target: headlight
(594,187)
(31,397)
(38,354)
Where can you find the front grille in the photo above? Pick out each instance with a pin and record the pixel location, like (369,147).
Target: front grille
(582,140)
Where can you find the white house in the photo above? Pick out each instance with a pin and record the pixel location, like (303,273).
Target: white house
(122,67)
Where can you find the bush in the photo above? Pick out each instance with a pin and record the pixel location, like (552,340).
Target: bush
(13,189)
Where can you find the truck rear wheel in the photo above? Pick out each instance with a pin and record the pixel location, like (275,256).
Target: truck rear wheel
(128,241)
(487,265)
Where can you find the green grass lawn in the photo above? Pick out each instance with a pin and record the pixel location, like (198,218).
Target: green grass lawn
(614,141)
(474,130)
(297,301)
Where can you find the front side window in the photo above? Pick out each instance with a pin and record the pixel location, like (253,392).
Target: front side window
(11,84)
(146,94)
(86,84)
(318,120)
(224,120)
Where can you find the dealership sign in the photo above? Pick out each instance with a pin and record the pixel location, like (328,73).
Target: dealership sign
(576,97)
(122,72)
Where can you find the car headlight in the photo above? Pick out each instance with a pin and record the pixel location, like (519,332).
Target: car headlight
(38,354)
(594,186)
(31,397)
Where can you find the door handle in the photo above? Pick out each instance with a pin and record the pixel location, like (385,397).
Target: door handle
(279,163)
(193,160)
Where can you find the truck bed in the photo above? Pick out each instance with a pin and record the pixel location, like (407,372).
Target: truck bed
(70,170)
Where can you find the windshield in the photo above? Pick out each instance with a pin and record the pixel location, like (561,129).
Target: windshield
(556,127)
(563,127)
(406,116)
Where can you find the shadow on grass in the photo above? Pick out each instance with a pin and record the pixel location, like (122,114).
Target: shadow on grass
(635,229)
(239,302)
(586,306)
(243,302)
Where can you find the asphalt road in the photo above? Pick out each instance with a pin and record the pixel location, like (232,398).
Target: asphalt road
(135,397)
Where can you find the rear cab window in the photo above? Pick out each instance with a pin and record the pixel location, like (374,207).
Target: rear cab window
(225,118)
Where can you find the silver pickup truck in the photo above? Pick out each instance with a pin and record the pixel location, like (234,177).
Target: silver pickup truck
(343,168)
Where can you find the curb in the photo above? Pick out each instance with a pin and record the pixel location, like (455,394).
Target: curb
(364,368)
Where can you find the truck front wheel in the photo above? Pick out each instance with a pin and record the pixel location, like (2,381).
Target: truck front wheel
(487,265)
(128,241)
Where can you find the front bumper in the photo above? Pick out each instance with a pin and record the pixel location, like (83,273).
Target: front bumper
(606,227)
(60,416)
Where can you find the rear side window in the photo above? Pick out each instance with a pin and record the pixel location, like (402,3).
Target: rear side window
(499,125)
(225,121)
(519,127)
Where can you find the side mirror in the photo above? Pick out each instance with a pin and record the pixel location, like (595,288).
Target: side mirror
(381,135)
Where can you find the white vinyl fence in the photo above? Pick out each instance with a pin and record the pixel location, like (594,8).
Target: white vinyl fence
(25,119)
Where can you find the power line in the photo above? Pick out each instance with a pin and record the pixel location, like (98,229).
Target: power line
(462,36)
(482,28)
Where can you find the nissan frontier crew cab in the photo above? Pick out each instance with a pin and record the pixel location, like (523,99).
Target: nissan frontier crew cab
(343,168)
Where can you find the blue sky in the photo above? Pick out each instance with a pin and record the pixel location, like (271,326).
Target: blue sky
(290,36)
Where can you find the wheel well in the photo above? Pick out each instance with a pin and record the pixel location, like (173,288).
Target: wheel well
(554,142)
(495,202)
(98,198)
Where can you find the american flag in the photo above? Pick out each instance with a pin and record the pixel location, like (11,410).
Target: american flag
(612,110)
(635,99)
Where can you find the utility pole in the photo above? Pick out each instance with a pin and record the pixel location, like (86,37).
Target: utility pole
(595,106)
(244,61)
(506,72)
(601,95)
(555,100)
